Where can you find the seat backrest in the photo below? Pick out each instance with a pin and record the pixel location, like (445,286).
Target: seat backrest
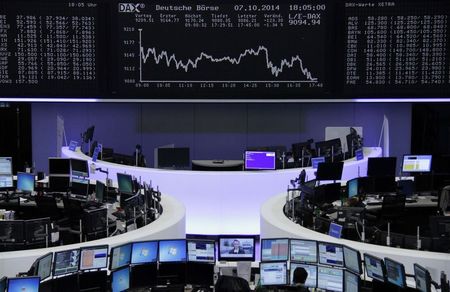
(443,200)
(393,206)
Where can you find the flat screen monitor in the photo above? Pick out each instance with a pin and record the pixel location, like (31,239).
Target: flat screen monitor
(273,274)
(395,273)
(311,280)
(352,188)
(25,182)
(331,254)
(335,230)
(59,183)
(79,167)
(6,177)
(352,282)
(236,248)
(172,251)
(80,187)
(145,252)
(28,284)
(416,163)
(59,166)
(94,257)
(422,278)
(303,250)
(201,251)
(274,249)
(12,231)
(120,256)
(381,166)
(257,160)
(125,183)
(44,266)
(316,160)
(174,157)
(352,260)
(99,191)
(374,267)
(3,284)
(66,262)
(95,221)
(330,279)
(329,171)
(120,280)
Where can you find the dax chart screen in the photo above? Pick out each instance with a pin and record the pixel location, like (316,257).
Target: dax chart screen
(219,49)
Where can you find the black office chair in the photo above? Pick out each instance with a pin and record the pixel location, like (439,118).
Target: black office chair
(443,200)
(392,210)
(231,284)
(48,207)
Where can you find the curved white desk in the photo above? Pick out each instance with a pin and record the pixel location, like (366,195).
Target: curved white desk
(221,202)
(170,225)
(275,224)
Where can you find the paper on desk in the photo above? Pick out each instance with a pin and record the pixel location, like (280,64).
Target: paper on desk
(244,270)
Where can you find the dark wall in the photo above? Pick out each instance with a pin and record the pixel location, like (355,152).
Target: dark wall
(213,131)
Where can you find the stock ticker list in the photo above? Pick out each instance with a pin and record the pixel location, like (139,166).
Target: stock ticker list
(222,49)
(397,47)
(48,48)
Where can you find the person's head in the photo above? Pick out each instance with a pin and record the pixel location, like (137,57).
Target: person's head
(236,243)
(300,275)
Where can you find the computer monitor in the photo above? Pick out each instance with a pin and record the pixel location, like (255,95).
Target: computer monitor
(201,251)
(66,262)
(44,266)
(260,160)
(12,231)
(59,183)
(236,248)
(144,252)
(3,284)
(28,284)
(395,273)
(422,278)
(329,171)
(274,249)
(120,280)
(316,160)
(335,230)
(6,177)
(406,187)
(80,187)
(25,182)
(416,163)
(330,149)
(58,166)
(120,256)
(352,282)
(94,257)
(352,260)
(125,183)
(172,251)
(374,267)
(330,279)
(311,280)
(381,166)
(79,167)
(99,191)
(331,254)
(174,158)
(352,188)
(303,250)
(273,273)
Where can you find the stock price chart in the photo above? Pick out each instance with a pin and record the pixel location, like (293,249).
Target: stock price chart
(222,50)
(49,48)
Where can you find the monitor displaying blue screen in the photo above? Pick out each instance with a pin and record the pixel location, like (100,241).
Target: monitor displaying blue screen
(237,248)
(311,280)
(395,273)
(95,257)
(352,260)
(25,182)
(120,280)
(351,282)
(422,278)
(120,256)
(352,188)
(125,183)
(44,266)
(335,230)
(144,252)
(330,279)
(416,163)
(303,250)
(6,177)
(359,154)
(66,262)
(172,250)
(331,254)
(374,267)
(201,251)
(24,284)
(260,160)
(273,274)
(274,249)
(316,160)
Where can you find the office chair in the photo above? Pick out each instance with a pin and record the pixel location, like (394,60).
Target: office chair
(48,207)
(392,209)
(443,200)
